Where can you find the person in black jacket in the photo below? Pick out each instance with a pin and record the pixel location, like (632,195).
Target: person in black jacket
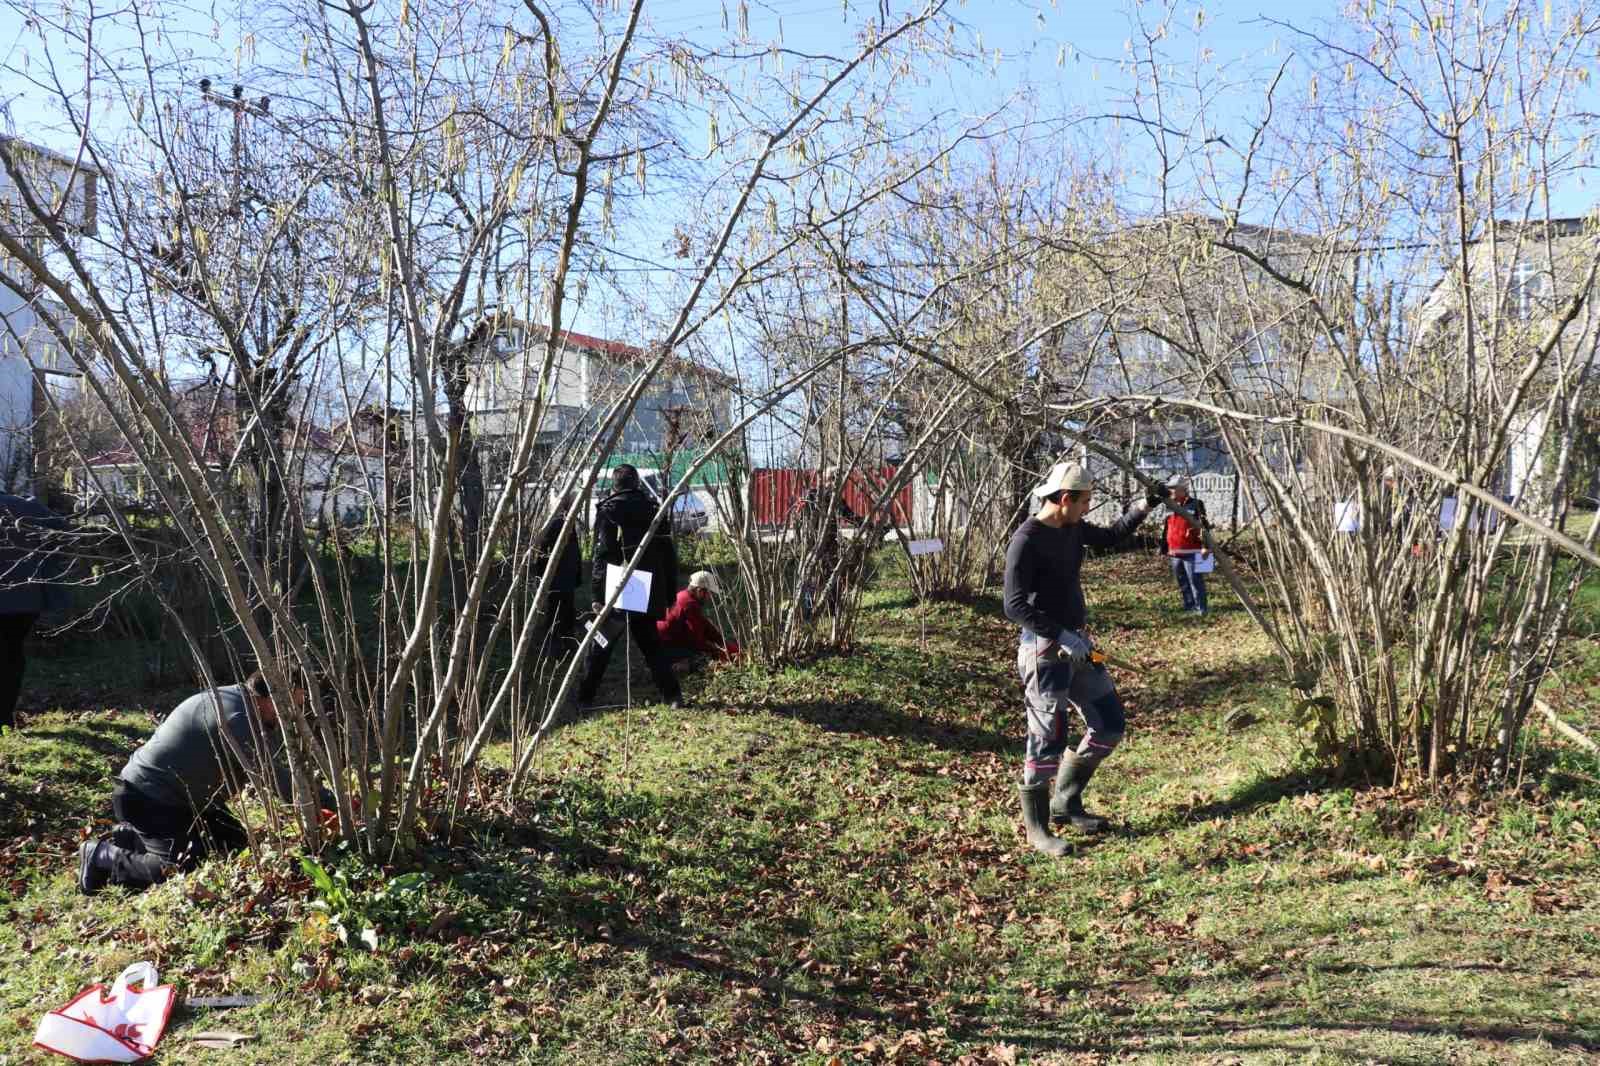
(561,616)
(1044,595)
(620,523)
(30,575)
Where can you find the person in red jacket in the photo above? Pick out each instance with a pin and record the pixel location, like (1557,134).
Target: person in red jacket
(686,627)
(1185,546)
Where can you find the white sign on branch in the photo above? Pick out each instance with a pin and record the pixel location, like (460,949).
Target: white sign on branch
(925,547)
(599,637)
(635,594)
(1346,516)
(1478,517)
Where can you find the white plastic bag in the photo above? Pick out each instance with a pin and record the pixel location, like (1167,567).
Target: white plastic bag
(122,1026)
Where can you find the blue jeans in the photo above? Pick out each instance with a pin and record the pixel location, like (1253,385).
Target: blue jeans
(1191,586)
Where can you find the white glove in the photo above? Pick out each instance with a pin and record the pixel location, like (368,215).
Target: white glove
(1074,649)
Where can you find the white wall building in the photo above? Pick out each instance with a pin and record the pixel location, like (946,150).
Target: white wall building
(588,375)
(31,359)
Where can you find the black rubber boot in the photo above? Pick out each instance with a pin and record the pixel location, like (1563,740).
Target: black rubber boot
(1067,805)
(1036,819)
(94,865)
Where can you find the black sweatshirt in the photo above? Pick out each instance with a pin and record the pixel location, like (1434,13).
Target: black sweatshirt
(569,566)
(1043,592)
(620,522)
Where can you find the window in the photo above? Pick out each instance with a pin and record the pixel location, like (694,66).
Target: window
(1525,291)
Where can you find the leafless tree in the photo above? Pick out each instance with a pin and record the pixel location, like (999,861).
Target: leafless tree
(441,178)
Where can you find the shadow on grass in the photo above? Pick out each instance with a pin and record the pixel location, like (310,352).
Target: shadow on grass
(874,719)
(1214,688)
(1260,792)
(30,811)
(989,604)
(68,762)
(589,833)
(1243,1036)
(110,739)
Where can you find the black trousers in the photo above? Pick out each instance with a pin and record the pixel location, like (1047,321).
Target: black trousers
(642,631)
(14,630)
(170,838)
(561,626)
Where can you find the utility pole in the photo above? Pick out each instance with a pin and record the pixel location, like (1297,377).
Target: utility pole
(240,107)
(257,397)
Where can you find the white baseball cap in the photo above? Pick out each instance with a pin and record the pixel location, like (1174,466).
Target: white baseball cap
(1064,477)
(705,579)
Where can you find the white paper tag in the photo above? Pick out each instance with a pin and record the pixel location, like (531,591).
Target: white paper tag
(1346,516)
(925,547)
(599,637)
(635,594)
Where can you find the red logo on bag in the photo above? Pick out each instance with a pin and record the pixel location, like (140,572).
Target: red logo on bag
(127,1031)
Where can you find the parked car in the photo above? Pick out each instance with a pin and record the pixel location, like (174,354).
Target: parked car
(688,512)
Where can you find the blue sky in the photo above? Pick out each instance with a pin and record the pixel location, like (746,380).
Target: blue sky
(1025,39)
(1055,56)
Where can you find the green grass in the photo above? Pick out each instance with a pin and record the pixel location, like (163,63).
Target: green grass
(826,863)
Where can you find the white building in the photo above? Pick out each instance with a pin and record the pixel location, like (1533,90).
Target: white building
(1523,273)
(686,401)
(31,361)
(683,410)
(31,355)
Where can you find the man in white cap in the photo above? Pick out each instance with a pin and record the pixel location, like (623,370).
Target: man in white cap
(686,626)
(1045,596)
(1184,545)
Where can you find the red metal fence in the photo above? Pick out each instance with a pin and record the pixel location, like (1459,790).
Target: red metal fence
(775,492)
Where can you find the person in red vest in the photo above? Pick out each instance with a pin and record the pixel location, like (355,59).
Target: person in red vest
(686,629)
(1184,546)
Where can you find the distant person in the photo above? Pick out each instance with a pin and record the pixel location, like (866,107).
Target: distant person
(30,585)
(620,523)
(561,616)
(1184,545)
(1394,510)
(171,799)
(686,629)
(820,524)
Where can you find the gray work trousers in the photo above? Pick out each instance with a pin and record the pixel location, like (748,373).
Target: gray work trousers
(1055,690)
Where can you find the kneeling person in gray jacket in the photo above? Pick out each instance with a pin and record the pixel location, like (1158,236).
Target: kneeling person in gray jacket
(171,799)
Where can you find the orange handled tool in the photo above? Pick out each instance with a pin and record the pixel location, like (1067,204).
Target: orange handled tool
(1100,658)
